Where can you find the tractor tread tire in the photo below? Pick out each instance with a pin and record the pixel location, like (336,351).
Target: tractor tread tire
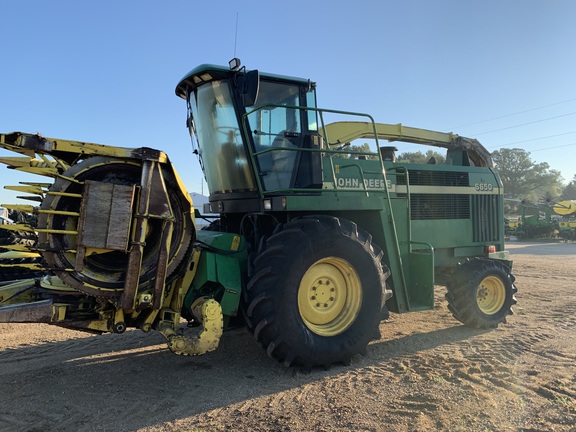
(270,304)
(462,293)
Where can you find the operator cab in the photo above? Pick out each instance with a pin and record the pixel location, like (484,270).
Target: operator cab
(250,130)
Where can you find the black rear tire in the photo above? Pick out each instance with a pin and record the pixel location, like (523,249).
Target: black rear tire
(481,293)
(317,292)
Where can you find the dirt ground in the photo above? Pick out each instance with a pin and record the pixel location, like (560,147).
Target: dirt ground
(427,372)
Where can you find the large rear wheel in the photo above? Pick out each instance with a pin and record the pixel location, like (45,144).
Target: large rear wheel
(317,293)
(481,293)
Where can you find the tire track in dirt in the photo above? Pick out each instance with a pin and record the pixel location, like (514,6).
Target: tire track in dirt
(502,368)
(492,364)
(80,349)
(55,369)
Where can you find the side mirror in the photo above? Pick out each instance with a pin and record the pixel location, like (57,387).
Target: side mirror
(190,124)
(250,86)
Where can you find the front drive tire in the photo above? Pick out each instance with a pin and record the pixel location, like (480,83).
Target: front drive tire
(317,293)
(481,293)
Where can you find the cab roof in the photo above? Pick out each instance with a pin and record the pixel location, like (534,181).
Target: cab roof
(210,72)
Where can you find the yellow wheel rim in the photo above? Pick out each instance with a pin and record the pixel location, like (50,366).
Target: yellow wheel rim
(329,296)
(491,295)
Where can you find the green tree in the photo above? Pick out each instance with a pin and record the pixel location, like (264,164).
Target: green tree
(569,192)
(421,158)
(523,178)
(365,148)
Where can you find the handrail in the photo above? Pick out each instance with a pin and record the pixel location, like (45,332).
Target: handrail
(326,150)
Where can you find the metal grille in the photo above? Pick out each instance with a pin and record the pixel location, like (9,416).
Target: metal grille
(485,218)
(435,178)
(439,206)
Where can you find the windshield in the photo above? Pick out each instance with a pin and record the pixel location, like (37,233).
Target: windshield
(220,145)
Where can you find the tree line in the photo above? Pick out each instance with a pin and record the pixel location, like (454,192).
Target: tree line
(525,179)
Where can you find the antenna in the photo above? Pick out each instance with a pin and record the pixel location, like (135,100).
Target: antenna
(236,35)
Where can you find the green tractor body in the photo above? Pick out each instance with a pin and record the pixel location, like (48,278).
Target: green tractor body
(279,160)
(313,240)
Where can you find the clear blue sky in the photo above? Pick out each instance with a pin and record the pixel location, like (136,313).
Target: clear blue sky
(106,71)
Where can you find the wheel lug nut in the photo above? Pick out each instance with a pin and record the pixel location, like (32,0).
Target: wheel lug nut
(313,298)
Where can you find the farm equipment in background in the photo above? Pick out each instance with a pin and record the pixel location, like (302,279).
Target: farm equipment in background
(535,221)
(545,220)
(16,259)
(567,224)
(314,243)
